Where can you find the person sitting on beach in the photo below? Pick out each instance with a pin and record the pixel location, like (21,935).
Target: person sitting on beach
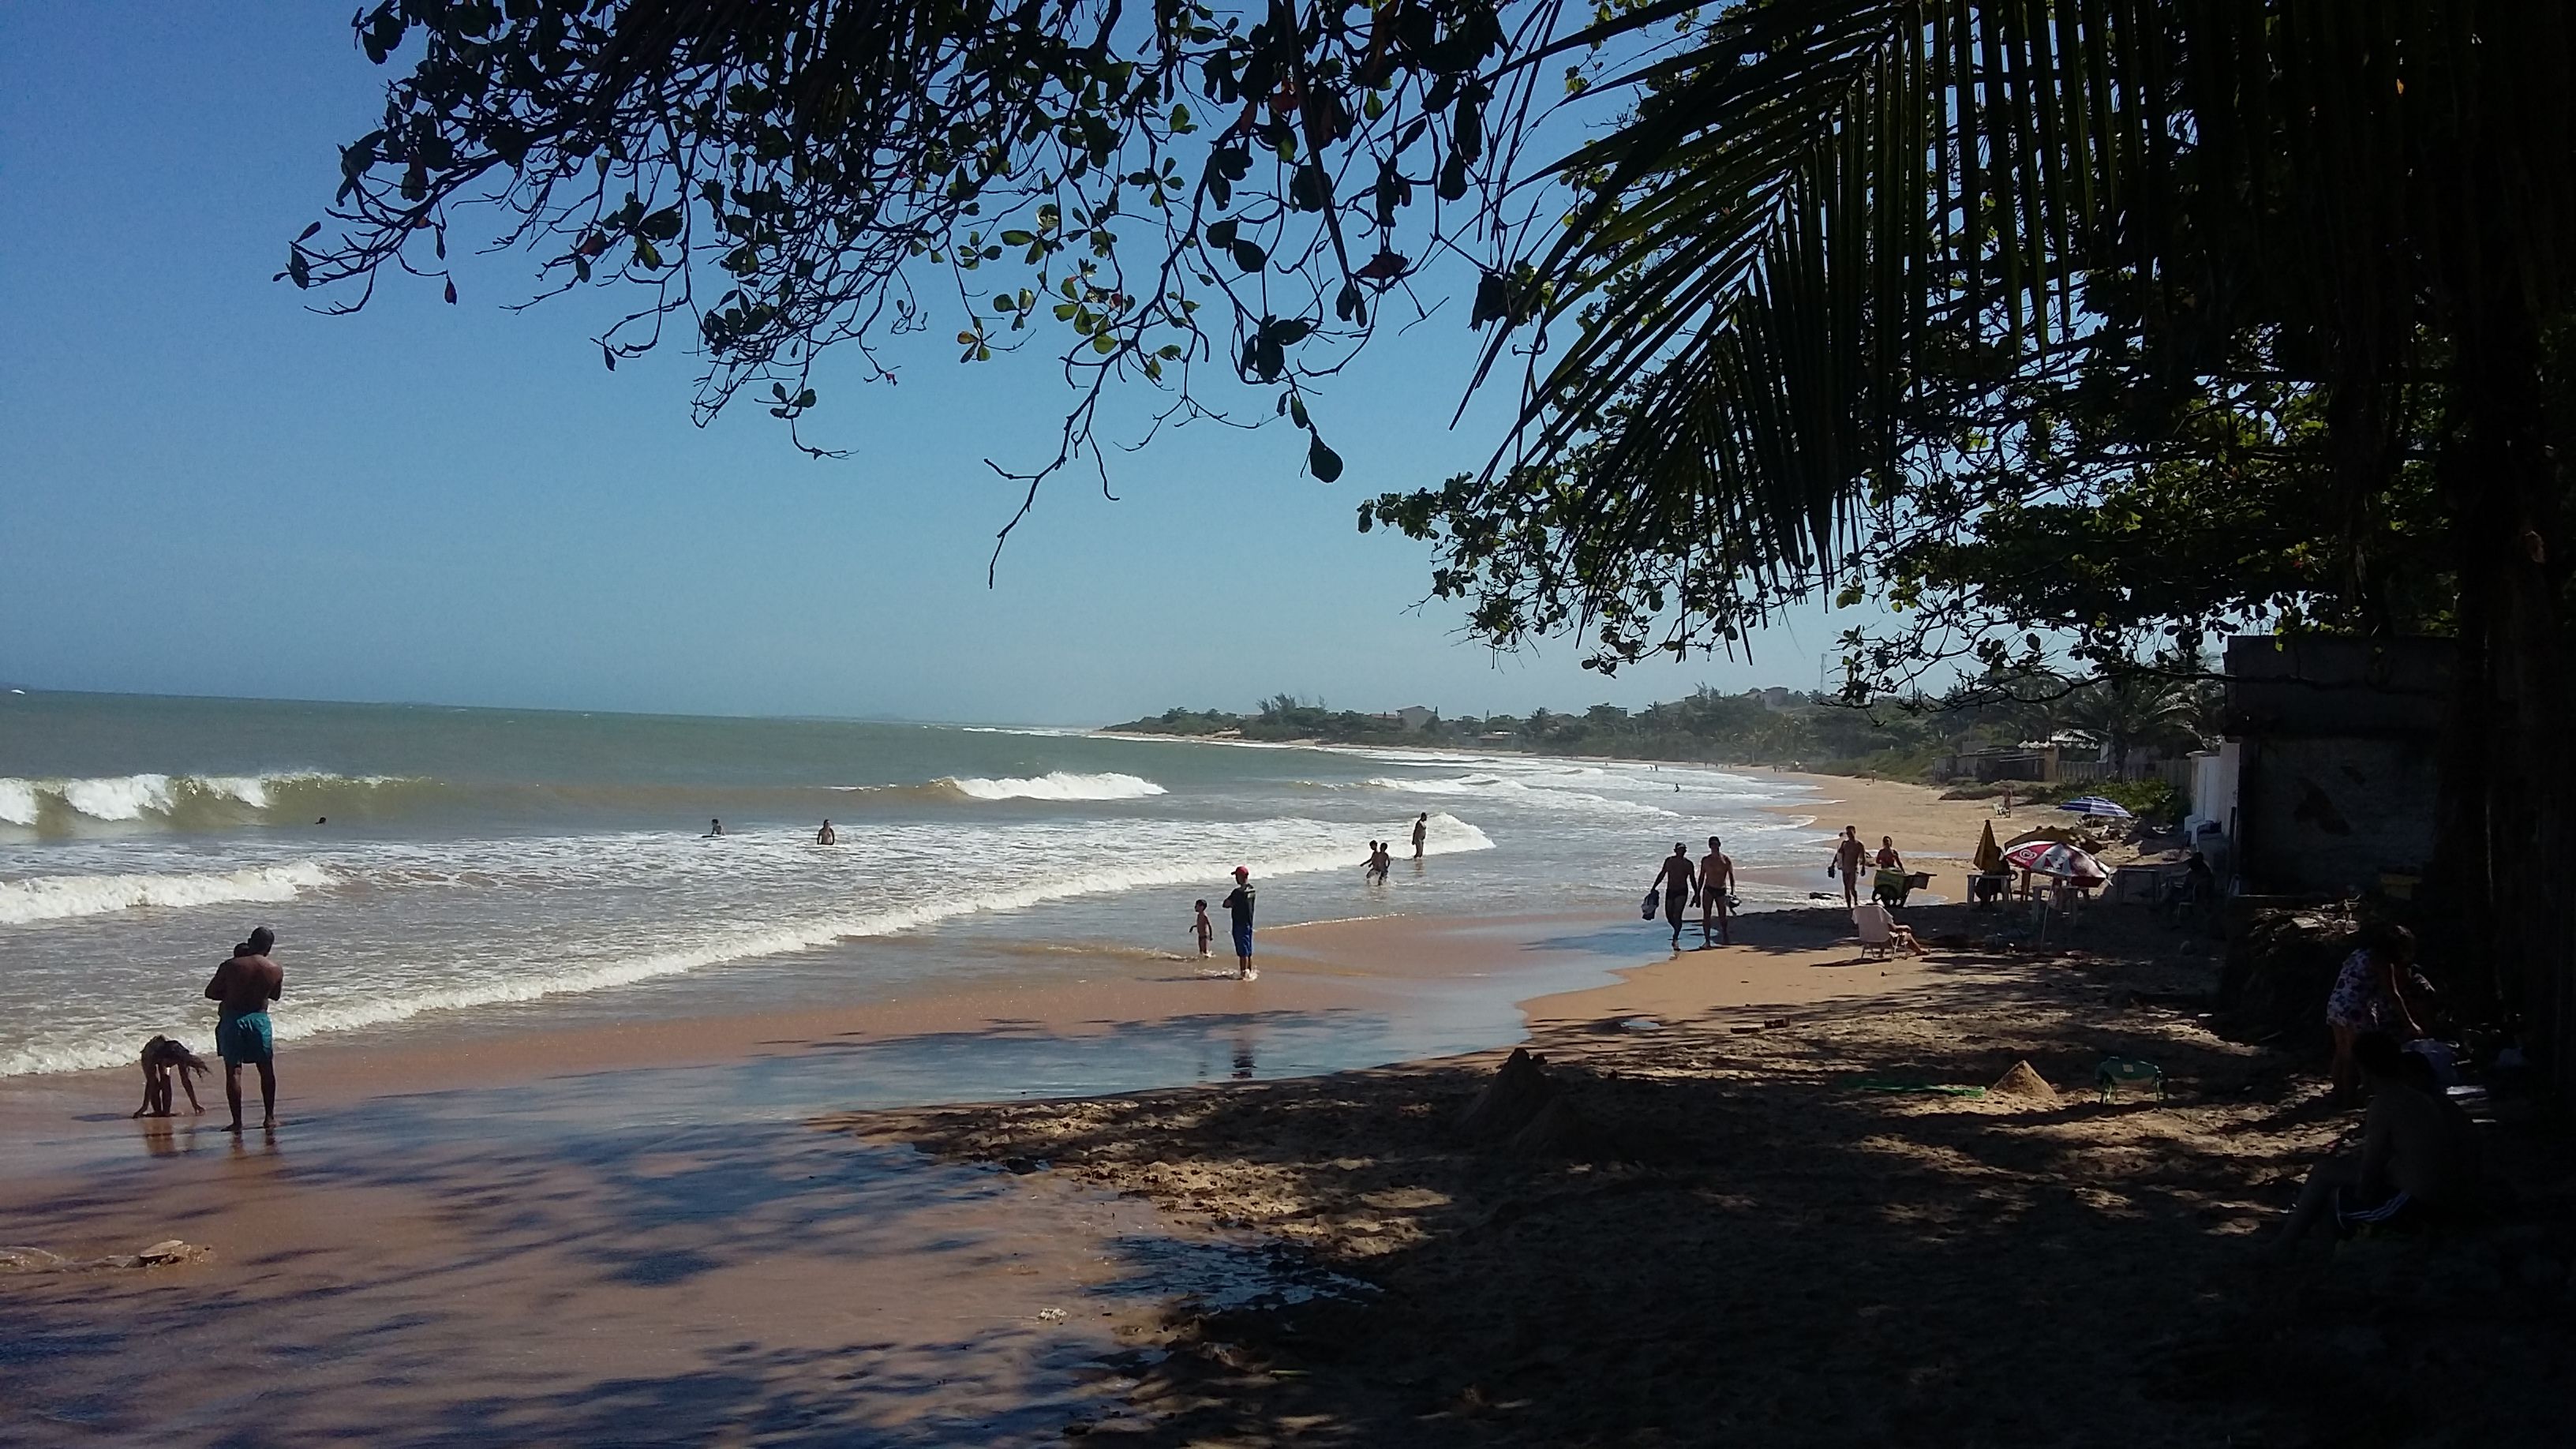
(1848,854)
(1888,859)
(1716,894)
(1203,928)
(1674,878)
(1874,913)
(2419,1153)
(827,835)
(1421,832)
(2367,998)
(243,987)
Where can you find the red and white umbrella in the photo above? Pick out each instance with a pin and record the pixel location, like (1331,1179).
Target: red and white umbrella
(2053,857)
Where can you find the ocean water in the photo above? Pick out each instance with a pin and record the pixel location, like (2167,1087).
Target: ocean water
(426,867)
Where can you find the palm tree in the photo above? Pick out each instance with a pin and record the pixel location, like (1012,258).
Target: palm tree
(1829,225)
(2129,710)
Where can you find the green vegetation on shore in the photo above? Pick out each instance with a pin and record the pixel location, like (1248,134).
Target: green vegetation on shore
(1767,727)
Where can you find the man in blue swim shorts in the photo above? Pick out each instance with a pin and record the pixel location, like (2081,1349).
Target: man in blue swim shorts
(1240,905)
(242,988)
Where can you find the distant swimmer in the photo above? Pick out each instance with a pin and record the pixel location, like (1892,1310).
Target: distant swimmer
(827,835)
(325,820)
(1239,905)
(1421,832)
(1716,894)
(714,829)
(242,988)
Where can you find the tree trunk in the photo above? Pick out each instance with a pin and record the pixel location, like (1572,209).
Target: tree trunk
(2505,834)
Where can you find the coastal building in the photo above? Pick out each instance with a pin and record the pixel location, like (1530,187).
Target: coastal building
(1415,716)
(2327,781)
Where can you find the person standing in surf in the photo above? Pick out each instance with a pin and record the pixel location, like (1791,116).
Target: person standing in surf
(1239,905)
(1716,895)
(242,988)
(1421,832)
(1674,880)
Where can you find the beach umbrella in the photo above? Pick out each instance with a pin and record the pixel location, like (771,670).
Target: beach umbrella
(2052,857)
(2096,805)
(1989,855)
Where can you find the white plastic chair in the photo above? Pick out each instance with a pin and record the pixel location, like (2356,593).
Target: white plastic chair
(1873,922)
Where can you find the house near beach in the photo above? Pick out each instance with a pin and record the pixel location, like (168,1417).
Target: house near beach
(2326,781)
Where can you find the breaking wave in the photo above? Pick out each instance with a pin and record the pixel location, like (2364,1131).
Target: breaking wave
(188,800)
(1055,785)
(1500,787)
(55,897)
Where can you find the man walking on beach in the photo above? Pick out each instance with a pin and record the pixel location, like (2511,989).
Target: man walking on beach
(1848,854)
(1239,905)
(1716,889)
(243,987)
(1421,829)
(1675,883)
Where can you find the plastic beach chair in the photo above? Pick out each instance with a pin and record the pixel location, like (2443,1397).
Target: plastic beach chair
(1875,937)
(2118,1071)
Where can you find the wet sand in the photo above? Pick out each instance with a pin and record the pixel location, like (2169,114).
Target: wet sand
(631,1234)
(635,1233)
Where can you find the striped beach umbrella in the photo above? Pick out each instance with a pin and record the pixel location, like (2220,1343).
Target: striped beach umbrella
(2096,805)
(2057,858)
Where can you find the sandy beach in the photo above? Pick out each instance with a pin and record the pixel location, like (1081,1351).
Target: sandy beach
(1771,1219)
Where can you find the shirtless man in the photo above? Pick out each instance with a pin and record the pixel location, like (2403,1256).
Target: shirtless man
(1421,831)
(1674,880)
(1716,885)
(243,987)
(1848,854)
(827,835)
(2419,1154)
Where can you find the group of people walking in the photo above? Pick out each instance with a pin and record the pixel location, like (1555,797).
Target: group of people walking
(1709,884)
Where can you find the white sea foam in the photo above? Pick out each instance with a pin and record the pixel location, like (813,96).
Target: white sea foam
(1056,785)
(1294,847)
(54,897)
(123,797)
(150,794)
(1504,787)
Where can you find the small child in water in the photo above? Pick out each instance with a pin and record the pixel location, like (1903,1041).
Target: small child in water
(1202,928)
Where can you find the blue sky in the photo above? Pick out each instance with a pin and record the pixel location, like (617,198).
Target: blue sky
(206,489)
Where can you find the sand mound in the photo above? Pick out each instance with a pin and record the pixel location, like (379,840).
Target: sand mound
(160,1254)
(1528,1113)
(1520,1090)
(2025,1082)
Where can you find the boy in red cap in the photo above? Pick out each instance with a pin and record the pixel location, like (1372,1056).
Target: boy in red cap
(1240,904)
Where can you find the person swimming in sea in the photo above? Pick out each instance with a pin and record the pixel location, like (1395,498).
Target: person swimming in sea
(827,835)
(714,829)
